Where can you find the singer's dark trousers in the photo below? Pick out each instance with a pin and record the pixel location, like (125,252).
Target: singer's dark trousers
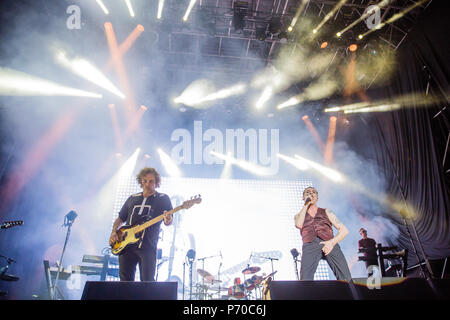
(311,256)
(133,256)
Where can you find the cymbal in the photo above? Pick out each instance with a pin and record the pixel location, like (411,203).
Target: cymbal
(8,277)
(205,274)
(251,270)
(212,281)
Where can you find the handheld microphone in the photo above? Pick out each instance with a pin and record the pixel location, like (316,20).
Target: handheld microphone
(307,201)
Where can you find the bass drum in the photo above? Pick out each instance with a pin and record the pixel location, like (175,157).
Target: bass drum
(236,292)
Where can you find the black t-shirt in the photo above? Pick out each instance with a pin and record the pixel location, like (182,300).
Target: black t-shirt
(368,243)
(138,209)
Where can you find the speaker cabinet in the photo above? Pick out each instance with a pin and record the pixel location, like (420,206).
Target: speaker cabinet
(310,290)
(129,290)
(388,288)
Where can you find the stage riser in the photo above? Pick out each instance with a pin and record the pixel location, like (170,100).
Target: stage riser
(362,289)
(127,290)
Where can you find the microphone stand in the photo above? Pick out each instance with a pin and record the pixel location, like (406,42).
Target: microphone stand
(218,278)
(271,262)
(203,268)
(296,261)
(190,278)
(68,221)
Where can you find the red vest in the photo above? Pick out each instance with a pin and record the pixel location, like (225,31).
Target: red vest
(319,226)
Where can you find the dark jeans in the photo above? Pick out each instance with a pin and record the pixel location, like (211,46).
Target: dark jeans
(132,256)
(311,256)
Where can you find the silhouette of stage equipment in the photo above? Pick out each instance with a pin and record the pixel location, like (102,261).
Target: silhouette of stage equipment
(394,269)
(69,219)
(387,288)
(3,275)
(102,266)
(130,290)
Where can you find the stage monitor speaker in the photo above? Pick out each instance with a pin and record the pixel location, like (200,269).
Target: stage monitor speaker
(387,288)
(129,290)
(310,290)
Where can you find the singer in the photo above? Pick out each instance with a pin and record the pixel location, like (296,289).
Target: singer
(315,226)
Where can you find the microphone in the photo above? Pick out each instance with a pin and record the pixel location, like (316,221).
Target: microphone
(307,201)
(294,253)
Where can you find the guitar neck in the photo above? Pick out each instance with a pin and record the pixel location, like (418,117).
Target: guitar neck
(148,223)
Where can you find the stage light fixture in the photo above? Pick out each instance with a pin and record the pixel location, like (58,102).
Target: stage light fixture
(261,33)
(238,21)
(353,47)
(240,9)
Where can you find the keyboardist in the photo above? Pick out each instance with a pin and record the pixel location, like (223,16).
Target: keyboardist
(368,247)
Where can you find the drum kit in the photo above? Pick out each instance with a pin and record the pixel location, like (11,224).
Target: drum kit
(250,289)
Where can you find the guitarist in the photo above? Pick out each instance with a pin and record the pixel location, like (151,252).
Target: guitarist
(137,208)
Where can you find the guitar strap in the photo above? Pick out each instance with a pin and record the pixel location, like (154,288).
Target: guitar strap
(141,238)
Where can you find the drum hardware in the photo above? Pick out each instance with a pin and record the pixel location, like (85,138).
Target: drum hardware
(205,274)
(271,261)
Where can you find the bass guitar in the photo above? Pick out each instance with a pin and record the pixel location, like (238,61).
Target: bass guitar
(128,234)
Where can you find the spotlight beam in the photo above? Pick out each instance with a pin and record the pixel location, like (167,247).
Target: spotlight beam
(381,5)
(328,153)
(86,70)
(16,83)
(188,10)
(393,18)
(329,15)
(246,165)
(168,164)
(297,15)
(102,6)
(130,7)
(126,44)
(413,99)
(120,69)
(160,9)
